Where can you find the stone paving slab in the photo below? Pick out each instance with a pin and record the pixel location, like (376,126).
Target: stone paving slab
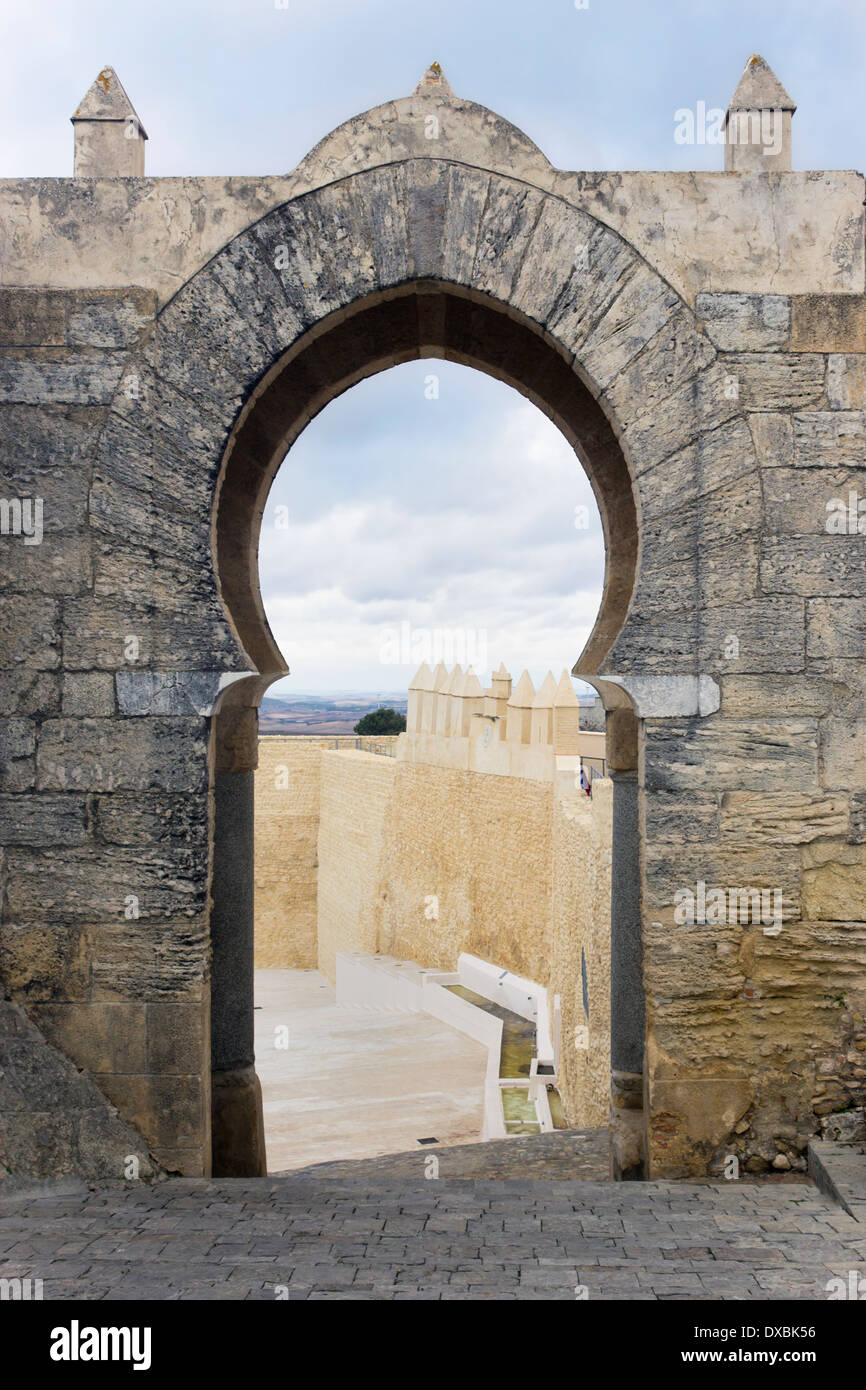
(303,1238)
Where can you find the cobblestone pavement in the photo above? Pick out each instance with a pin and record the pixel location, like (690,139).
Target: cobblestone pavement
(307,1239)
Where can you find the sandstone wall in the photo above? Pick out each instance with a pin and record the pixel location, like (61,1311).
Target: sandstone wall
(580,965)
(287,828)
(288,781)
(423,862)
(467,867)
(356,794)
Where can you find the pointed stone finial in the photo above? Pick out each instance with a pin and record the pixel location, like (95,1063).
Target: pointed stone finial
(449,697)
(518,723)
(566,718)
(565,696)
(434,80)
(422,679)
(109,137)
(542,711)
(420,684)
(433,702)
(546,693)
(471,701)
(758,121)
(523,693)
(760,89)
(497,697)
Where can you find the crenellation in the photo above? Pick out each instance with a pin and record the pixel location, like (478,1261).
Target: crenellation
(566,718)
(421,685)
(541,719)
(445,702)
(519,711)
(471,702)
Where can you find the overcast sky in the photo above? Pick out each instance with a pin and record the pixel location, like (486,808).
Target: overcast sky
(453,513)
(402,521)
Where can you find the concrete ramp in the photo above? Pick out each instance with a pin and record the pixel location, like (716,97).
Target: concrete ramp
(509,1015)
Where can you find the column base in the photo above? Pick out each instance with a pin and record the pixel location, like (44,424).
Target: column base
(627,1127)
(237,1125)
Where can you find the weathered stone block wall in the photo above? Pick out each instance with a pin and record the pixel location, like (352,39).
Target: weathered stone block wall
(104,816)
(767,792)
(797,232)
(467,867)
(54,1119)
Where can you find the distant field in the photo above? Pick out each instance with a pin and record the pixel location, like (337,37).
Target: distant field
(338,714)
(314,715)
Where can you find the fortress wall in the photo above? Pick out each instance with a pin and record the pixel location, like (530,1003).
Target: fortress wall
(743,423)
(287,828)
(287,784)
(356,794)
(581,947)
(423,862)
(111,233)
(467,868)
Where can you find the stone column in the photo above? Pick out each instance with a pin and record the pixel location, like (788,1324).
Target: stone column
(236,1106)
(627,1006)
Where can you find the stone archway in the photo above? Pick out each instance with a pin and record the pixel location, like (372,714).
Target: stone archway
(729,648)
(421,258)
(419,319)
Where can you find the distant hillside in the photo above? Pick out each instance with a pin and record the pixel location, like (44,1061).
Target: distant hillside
(322,714)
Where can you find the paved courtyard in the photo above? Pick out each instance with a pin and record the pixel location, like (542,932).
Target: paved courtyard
(354,1083)
(309,1238)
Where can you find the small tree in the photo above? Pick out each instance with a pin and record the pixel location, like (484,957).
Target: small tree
(381,721)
